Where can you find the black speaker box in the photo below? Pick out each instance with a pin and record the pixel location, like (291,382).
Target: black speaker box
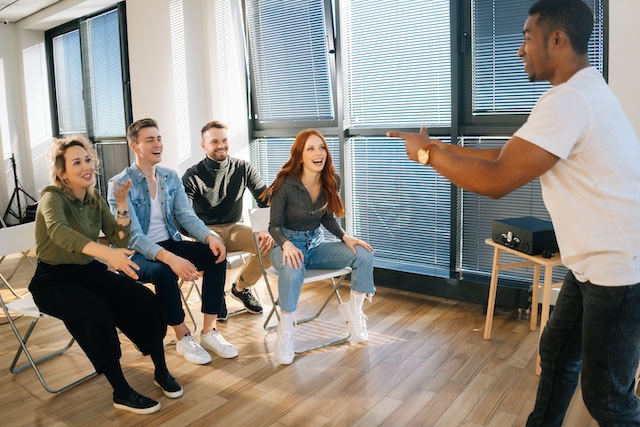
(528,234)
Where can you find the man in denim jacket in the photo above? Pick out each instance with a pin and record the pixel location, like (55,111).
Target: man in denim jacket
(159,208)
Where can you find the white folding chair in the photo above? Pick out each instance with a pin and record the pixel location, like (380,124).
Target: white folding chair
(21,239)
(260,222)
(14,237)
(187,287)
(193,285)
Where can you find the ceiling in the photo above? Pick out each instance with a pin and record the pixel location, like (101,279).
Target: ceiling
(58,12)
(15,10)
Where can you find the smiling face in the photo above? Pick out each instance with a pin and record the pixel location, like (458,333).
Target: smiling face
(148,147)
(314,155)
(80,170)
(534,51)
(215,143)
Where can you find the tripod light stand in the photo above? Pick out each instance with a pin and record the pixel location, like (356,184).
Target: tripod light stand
(17,189)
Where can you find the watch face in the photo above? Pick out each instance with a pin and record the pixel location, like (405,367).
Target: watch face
(423,156)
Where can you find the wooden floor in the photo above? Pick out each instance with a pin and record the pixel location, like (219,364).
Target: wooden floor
(426,364)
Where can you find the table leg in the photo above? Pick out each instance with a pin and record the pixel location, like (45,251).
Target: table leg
(535,295)
(493,288)
(546,306)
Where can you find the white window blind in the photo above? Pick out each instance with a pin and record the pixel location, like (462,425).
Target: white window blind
(68,81)
(478,215)
(290,60)
(499,83)
(396,63)
(102,63)
(400,207)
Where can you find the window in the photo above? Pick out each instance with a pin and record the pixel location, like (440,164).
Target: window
(499,85)
(396,75)
(90,76)
(449,65)
(399,207)
(290,59)
(68,79)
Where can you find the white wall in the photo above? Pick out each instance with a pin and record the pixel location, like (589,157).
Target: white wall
(164,42)
(624,61)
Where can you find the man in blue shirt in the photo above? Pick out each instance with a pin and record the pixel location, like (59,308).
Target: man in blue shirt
(159,208)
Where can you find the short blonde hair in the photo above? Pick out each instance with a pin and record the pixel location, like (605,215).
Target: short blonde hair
(57,162)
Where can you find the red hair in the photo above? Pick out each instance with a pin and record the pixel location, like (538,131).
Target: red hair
(293,167)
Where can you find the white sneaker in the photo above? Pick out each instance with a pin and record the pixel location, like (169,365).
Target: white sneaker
(284,351)
(189,348)
(357,323)
(215,342)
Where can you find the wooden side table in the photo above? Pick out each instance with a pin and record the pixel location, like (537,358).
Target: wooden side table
(535,261)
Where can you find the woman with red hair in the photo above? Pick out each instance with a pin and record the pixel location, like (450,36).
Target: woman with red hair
(303,196)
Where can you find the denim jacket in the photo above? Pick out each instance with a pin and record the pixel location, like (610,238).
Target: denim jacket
(173,200)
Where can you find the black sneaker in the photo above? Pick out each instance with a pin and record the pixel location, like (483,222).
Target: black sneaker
(137,404)
(247,299)
(224,314)
(169,385)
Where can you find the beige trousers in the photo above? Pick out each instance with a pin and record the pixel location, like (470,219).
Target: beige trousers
(239,237)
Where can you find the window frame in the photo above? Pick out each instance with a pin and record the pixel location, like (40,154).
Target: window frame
(463,125)
(124,60)
(497,124)
(290,129)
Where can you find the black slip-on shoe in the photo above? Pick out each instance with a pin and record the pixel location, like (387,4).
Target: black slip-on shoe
(137,403)
(169,385)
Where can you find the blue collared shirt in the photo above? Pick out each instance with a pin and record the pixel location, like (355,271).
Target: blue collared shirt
(173,201)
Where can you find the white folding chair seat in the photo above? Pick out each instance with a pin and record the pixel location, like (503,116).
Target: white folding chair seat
(21,239)
(260,218)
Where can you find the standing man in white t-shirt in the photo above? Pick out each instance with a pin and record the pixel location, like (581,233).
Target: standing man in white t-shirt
(587,155)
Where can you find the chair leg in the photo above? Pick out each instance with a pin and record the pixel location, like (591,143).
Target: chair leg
(273,308)
(5,280)
(334,291)
(245,263)
(34,363)
(186,305)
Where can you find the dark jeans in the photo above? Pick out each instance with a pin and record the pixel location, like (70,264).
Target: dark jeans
(92,302)
(596,328)
(166,281)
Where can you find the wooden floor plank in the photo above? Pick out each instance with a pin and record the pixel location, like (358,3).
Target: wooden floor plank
(425,364)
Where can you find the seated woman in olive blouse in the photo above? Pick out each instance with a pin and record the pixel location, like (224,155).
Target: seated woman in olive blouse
(303,196)
(71,285)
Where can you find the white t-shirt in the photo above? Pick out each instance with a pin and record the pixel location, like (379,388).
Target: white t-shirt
(158,231)
(593,191)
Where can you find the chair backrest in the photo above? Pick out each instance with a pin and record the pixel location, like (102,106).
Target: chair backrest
(260,218)
(17,238)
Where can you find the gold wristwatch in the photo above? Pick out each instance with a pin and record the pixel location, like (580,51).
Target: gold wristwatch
(423,154)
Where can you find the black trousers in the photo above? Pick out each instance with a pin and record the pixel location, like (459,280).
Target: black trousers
(92,302)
